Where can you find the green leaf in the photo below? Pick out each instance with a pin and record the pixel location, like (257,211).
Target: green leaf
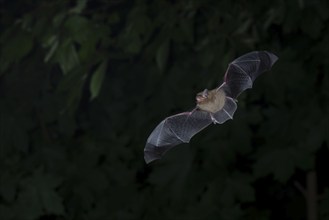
(162,55)
(67,56)
(175,173)
(6,212)
(113,18)
(77,25)
(74,97)
(97,180)
(231,213)
(133,46)
(15,48)
(238,187)
(52,202)
(207,57)
(28,205)
(8,186)
(243,28)
(312,25)
(187,26)
(81,4)
(53,42)
(279,162)
(39,197)
(97,80)
(58,19)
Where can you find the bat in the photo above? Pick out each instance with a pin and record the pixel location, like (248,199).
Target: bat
(212,106)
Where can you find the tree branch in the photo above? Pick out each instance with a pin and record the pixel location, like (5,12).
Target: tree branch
(311,198)
(300,188)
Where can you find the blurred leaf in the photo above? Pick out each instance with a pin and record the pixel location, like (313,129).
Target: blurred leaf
(187,27)
(81,4)
(243,27)
(134,46)
(207,56)
(66,56)
(231,213)
(243,191)
(8,186)
(278,162)
(52,202)
(167,175)
(162,55)
(12,137)
(113,18)
(28,205)
(39,197)
(53,44)
(16,47)
(97,180)
(6,212)
(238,188)
(74,97)
(59,18)
(97,80)
(312,25)
(78,26)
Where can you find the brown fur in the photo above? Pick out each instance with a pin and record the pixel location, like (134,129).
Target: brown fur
(214,102)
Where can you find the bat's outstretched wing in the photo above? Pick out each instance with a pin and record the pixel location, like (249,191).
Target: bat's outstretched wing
(174,130)
(242,72)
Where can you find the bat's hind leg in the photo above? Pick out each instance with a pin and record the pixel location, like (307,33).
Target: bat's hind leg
(213,119)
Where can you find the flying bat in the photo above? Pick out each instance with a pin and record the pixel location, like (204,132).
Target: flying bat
(212,106)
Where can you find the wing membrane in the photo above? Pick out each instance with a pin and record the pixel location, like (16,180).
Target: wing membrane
(174,130)
(242,72)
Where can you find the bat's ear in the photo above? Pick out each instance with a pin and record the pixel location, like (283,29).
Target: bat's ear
(205,93)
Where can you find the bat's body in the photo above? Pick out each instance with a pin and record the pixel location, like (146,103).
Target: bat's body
(214,106)
(211,101)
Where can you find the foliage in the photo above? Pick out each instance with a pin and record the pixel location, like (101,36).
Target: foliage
(83,83)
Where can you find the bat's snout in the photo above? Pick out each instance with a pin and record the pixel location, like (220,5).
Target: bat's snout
(200,99)
(202,96)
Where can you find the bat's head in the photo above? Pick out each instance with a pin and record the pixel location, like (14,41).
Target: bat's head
(202,96)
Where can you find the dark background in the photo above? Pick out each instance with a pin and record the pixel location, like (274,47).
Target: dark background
(83,83)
